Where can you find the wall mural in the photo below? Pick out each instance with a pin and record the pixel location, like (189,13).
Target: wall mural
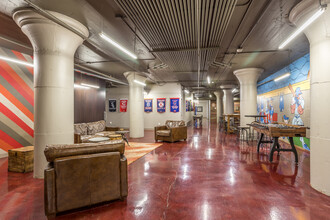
(16,102)
(288,100)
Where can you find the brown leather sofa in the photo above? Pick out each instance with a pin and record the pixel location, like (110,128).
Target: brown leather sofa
(85,131)
(172,131)
(80,175)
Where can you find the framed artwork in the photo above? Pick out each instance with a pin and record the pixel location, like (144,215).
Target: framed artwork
(199,108)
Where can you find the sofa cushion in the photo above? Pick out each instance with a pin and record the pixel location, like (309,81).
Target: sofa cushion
(94,127)
(172,124)
(80,128)
(164,133)
(54,151)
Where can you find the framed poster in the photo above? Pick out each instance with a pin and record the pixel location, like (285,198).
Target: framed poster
(112,105)
(175,105)
(199,108)
(147,105)
(161,105)
(123,105)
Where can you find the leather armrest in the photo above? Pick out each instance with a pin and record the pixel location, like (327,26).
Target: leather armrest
(163,127)
(65,150)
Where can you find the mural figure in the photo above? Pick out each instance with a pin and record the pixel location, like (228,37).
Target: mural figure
(286,119)
(297,108)
(271,110)
(281,103)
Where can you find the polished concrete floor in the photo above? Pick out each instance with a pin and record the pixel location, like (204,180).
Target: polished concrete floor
(211,176)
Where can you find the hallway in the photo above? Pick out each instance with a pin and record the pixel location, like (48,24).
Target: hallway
(211,176)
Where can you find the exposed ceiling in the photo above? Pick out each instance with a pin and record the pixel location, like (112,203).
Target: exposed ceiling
(165,35)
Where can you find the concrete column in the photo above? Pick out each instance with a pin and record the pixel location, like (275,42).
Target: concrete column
(228,102)
(248,92)
(54,48)
(318,35)
(136,105)
(219,95)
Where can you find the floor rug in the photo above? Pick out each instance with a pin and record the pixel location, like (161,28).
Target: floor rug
(138,150)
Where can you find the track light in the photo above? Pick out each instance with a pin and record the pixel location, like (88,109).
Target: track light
(16,61)
(186,91)
(234,90)
(88,85)
(138,82)
(282,77)
(80,86)
(208,80)
(114,43)
(305,25)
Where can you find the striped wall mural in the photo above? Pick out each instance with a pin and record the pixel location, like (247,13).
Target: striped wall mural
(16,102)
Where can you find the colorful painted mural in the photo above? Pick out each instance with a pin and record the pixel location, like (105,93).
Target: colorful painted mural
(288,100)
(16,102)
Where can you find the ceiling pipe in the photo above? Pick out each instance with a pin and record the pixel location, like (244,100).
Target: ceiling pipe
(99,74)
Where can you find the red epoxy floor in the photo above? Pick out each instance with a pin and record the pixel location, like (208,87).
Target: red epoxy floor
(211,176)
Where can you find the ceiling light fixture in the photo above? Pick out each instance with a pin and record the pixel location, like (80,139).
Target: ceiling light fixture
(282,77)
(88,85)
(186,91)
(305,25)
(114,43)
(234,90)
(208,80)
(138,82)
(80,86)
(16,61)
(210,96)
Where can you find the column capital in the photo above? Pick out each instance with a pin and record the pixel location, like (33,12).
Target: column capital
(218,93)
(227,87)
(319,30)
(130,76)
(248,75)
(44,33)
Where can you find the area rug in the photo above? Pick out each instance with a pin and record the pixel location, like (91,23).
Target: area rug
(137,150)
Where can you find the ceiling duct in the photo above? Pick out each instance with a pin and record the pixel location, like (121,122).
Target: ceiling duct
(171,26)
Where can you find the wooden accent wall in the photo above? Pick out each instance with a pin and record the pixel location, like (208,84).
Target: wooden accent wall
(89,104)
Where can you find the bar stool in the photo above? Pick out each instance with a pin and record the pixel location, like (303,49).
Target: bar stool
(241,130)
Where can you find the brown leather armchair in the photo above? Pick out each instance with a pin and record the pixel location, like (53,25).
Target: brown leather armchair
(80,175)
(172,131)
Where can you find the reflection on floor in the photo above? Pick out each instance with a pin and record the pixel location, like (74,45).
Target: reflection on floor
(211,176)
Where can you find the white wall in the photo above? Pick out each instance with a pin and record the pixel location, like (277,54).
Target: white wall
(120,119)
(206,108)
(152,119)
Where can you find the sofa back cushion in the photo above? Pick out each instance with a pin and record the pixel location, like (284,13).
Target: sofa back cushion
(172,124)
(94,127)
(80,128)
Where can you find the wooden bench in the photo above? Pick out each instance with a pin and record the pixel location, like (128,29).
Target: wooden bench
(21,159)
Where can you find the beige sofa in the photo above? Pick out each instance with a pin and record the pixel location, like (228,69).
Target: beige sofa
(84,131)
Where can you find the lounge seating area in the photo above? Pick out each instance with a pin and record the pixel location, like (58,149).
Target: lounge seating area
(85,131)
(172,131)
(81,175)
